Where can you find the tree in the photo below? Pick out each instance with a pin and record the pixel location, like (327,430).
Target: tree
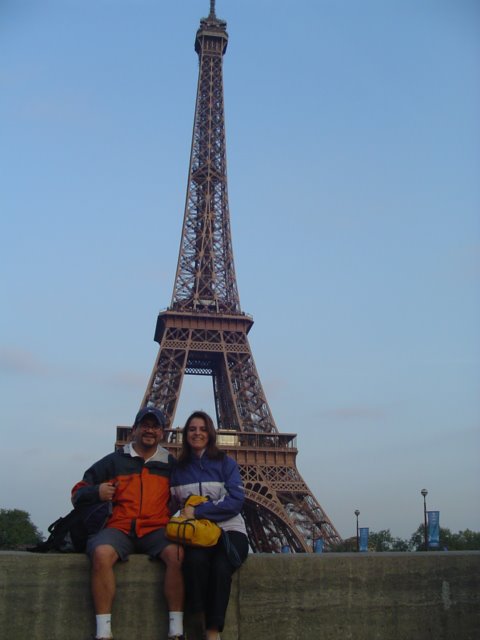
(380,541)
(462,541)
(400,545)
(17,530)
(417,539)
(377,541)
(467,540)
(349,544)
(384,541)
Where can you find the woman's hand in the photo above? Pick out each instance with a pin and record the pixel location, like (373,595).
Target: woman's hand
(188,511)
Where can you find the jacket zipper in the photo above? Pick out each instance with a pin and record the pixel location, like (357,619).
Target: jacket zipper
(133,526)
(141,491)
(200,490)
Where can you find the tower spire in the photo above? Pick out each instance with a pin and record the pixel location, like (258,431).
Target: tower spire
(205,277)
(212,9)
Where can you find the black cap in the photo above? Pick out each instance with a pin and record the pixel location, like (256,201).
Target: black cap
(150,411)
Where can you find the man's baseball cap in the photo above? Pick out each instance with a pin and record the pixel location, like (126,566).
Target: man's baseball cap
(150,411)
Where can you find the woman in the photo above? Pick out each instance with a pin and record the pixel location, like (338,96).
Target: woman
(205,470)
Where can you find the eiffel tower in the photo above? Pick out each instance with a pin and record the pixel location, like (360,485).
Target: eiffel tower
(204,332)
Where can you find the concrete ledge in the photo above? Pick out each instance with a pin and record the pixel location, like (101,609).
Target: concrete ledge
(385,596)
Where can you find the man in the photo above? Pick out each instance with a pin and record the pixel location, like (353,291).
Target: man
(136,482)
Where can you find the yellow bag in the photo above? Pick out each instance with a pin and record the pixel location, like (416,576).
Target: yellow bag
(192,531)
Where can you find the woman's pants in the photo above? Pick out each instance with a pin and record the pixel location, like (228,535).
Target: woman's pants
(208,578)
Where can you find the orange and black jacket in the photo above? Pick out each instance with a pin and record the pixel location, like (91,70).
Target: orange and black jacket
(140,504)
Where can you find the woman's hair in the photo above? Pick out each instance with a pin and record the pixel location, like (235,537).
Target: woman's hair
(211,451)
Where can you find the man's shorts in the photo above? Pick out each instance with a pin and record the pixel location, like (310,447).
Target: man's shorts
(152,544)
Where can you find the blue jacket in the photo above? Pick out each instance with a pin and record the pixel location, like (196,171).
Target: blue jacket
(220,481)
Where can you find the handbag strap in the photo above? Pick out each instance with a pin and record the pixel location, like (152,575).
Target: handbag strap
(232,553)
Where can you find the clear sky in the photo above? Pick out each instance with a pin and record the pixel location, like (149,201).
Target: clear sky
(353,137)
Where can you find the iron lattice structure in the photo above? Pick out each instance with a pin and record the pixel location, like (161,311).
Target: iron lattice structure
(204,332)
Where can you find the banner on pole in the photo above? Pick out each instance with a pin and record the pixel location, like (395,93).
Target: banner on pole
(433,518)
(318,546)
(363,539)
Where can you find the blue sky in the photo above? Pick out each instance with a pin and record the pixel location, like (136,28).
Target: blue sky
(353,163)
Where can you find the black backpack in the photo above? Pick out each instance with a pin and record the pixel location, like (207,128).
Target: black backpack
(70,533)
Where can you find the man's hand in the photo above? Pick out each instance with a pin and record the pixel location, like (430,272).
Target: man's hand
(106,491)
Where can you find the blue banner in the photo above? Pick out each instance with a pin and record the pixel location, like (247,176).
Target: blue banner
(433,518)
(363,539)
(318,546)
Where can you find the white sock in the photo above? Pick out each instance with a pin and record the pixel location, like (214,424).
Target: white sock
(104,625)
(175,623)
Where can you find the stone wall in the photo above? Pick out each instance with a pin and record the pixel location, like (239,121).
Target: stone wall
(384,596)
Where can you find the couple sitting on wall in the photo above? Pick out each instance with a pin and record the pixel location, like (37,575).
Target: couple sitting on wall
(144,484)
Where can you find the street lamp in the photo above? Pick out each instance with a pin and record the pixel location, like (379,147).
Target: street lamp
(357,513)
(424,493)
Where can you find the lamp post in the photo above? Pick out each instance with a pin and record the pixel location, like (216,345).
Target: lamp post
(357,513)
(424,493)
